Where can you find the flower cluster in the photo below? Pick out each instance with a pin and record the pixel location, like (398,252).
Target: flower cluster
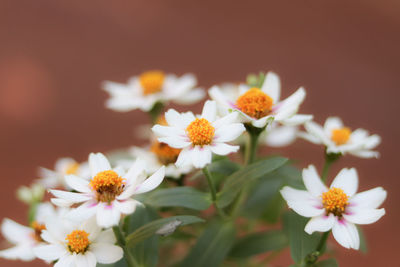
(102,209)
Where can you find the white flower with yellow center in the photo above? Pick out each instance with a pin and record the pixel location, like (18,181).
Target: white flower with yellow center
(64,166)
(200,136)
(337,208)
(81,245)
(259,106)
(23,237)
(108,193)
(144,91)
(340,139)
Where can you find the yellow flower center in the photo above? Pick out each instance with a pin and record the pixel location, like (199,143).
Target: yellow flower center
(200,132)
(161,121)
(78,241)
(72,168)
(341,136)
(165,154)
(38,228)
(152,81)
(335,201)
(255,103)
(108,185)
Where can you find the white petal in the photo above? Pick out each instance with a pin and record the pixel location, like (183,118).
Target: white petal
(15,232)
(371,199)
(106,236)
(297,119)
(167,131)
(77,183)
(346,234)
(288,107)
(49,252)
(201,156)
(230,132)
(175,119)
(67,260)
(107,215)
(184,158)
(175,141)
(372,141)
(366,154)
(363,216)
(217,95)
(70,196)
(98,163)
(83,212)
(190,97)
(302,202)
(106,253)
(152,182)
(313,182)
(309,137)
(22,252)
(321,223)
(209,110)
(223,149)
(347,179)
(332,123)
(281,136)
(317,131)
(127,206)
(260,123)
(272,86)
(228,119)
(85,260)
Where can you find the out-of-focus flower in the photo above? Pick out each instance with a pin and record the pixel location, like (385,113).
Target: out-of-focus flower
(339,139)
(64,166)
(200,136)
(108,194)
(144,91)
(259,106)
(31,194)
(338,208)
(83,244)
(279,135)
(23,237)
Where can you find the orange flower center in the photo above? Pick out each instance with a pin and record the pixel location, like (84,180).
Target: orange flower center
(38,228)
(341,136)
(152,81)
(255,103)
(78,241)
(165,154)
(200,132)
(161,121)
(108,185)
(72,168)
(335,201)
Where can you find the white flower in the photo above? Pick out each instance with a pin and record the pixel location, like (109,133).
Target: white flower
(259,106)
(200,136)
(160,154)
(31,194)
(23,237)
(108,194)
(144,91)
(64,166)
(338,208)
(82,244)
(340,139)
(279,135)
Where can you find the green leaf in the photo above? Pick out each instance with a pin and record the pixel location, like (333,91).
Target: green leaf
(161,226)
(258,243)
(301,244)
(327,263)
(212,246)
(363,240)
(244,176)
(187,197)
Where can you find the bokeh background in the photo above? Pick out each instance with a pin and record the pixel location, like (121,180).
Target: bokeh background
(55,54)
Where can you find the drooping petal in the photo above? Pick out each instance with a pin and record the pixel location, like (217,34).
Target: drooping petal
(22,252)
(201,156)
(50,252)
(15,232)
(85,260)
(347,179)
(106,253)
(313,182)
(321,223)
(230,132)
(83,212)
(346,234)
(90,226)
(362,215)
(98,163)
(107,215)
(68,260)
(272,86)
(106,236)
(151,182)
(371,199)
(127,206)
(302,202)
(366,154)
(209,110)
(281,136)
(184,158)
(77,183)
(223,149)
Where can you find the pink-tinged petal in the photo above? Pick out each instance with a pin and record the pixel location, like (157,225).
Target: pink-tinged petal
(49,252)
(15,232)
(347,179)
(321,223)
(107,215)
(272,86)
(152,182)
(346,234)
(230,132)
(98,163)
(106,253)
(223,149)
(312,181)
(302,202)
(362,215)
(70,196)
(209,110)
(77,183)
(371,199)
(21,252)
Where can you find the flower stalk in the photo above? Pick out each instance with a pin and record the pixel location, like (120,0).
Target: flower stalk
(213,191)
(130,260)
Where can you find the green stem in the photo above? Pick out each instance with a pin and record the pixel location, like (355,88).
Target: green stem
(155,111)
(329,159)
(213,191)
(322,242)
(122,243)
(251,147)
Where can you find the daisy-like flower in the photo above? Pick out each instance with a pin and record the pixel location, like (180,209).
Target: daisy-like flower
(259,106)
(83,244)
(144,91)
(108,193)
(338,208)
(339,139)
(200,136)
(64,166)
(23,237)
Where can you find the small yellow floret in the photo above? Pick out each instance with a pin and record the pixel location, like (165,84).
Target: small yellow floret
(341,136)
(108,185)
(255,103)
(152,81)
(335,201)
(200,132)
(78,241)
(165,154)
(72,168)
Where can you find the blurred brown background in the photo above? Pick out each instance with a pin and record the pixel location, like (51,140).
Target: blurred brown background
(54,55)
